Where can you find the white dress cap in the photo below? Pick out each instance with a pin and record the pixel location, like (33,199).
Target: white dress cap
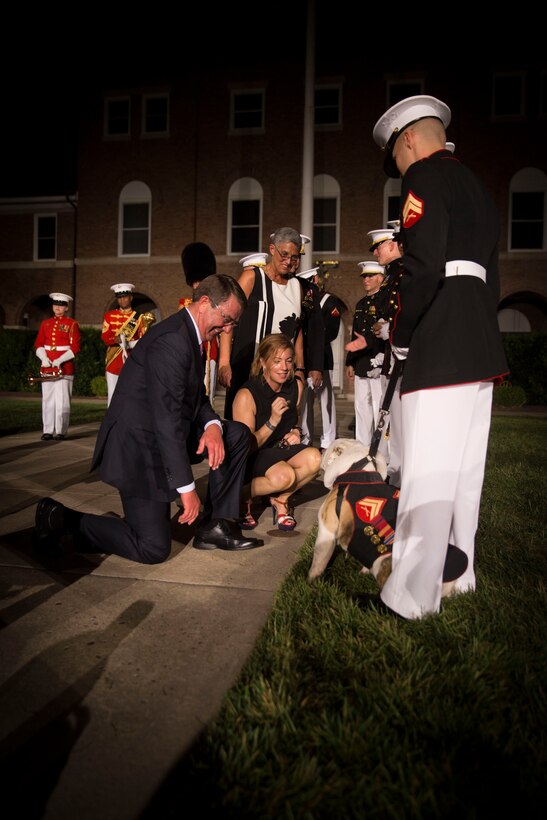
(60,298)
(254,260)
(123,288)
(406,112)
(378,236)
(395,225)
(308,274)
(450,146)
(371,268)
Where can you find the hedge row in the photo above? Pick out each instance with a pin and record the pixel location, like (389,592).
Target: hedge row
(526,354)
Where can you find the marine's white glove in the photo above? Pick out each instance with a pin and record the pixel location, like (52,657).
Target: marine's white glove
(378,360)
(64,357)
(400,352)
(384,330)
(42,355)
(374,373)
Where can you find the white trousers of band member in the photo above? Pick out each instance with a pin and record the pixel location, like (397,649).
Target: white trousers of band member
(111,382)
(56,398)
(327,402)
(368,397)
(445,438)
(395,438)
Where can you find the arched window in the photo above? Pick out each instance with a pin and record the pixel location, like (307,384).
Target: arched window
(392,200)
(326,214)
(245,216)
(527,210)
(134,220)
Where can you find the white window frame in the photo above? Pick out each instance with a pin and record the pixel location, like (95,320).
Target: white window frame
(328,126)
(392,187)
(134,193)
(145,99)
(37,219)
(528,181)
(244,189)
(516,115)
(126,134)
(326,186)
(240,92)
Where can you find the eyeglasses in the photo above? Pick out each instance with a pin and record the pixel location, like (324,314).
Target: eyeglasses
(227,319)
(284,255)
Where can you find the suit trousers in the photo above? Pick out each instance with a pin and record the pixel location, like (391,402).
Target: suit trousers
(328,411)
(144,534)
(445,437)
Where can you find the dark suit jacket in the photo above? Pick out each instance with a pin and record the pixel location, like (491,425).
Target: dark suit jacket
(159,405)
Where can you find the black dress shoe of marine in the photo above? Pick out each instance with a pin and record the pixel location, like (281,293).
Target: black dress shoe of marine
(455,564)
(47,437)
(223,535)
(373,603)
(50,517)
(59,437)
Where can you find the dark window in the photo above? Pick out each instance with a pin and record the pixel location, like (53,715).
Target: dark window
(508,95)
(46,237)
(248,110)
(327,106)
(135,228)
(245,225)
(543,95)
(324,225)
(117,117)
(393,207)
(400,91)
(527,220)
(156,115)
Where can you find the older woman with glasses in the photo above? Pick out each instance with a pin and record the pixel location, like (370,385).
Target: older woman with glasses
(268,403)
(274,305)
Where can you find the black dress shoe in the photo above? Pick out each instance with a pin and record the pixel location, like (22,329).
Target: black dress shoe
(50,517)
(47,437)
(59,437)
(223,535)
(373,603)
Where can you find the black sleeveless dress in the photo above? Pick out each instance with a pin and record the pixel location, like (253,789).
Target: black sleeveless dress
(270,453)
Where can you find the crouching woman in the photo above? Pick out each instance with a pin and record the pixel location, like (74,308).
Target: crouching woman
(268,403)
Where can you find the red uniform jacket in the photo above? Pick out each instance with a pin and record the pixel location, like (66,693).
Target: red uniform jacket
(59,332)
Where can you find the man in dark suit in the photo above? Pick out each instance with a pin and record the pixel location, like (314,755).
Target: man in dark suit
(159,422)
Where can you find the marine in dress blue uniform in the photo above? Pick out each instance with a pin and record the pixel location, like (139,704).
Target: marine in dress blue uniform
(446,328)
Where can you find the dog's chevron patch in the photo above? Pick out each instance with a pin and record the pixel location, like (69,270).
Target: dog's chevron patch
(368,509)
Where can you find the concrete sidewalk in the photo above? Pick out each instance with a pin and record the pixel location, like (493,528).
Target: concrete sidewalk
(111,669)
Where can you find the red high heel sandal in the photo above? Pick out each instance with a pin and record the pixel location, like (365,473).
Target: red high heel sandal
(246,521)
(286,520)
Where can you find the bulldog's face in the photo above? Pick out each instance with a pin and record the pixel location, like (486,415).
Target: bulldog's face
(341,454)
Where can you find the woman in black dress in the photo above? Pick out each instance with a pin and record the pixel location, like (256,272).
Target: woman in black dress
(269,403)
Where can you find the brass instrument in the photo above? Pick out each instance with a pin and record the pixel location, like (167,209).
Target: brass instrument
(54,376)
(147,319)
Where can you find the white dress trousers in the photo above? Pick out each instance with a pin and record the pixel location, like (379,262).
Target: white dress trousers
(56,396)
(368,397)
(444,441)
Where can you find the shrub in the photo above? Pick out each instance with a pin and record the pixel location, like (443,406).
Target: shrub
(98,386)
(508,395)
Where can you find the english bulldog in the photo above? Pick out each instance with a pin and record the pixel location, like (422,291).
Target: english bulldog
(360,512)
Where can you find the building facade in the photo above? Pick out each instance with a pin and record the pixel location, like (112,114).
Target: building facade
(216,155)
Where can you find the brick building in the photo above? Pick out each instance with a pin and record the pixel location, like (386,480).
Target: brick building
(215,154)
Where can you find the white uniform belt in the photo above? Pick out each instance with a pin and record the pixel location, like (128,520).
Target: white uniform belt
(57,347)
(462,267)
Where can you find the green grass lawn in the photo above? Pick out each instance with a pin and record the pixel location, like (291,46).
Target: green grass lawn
(24,415)
(343,713)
